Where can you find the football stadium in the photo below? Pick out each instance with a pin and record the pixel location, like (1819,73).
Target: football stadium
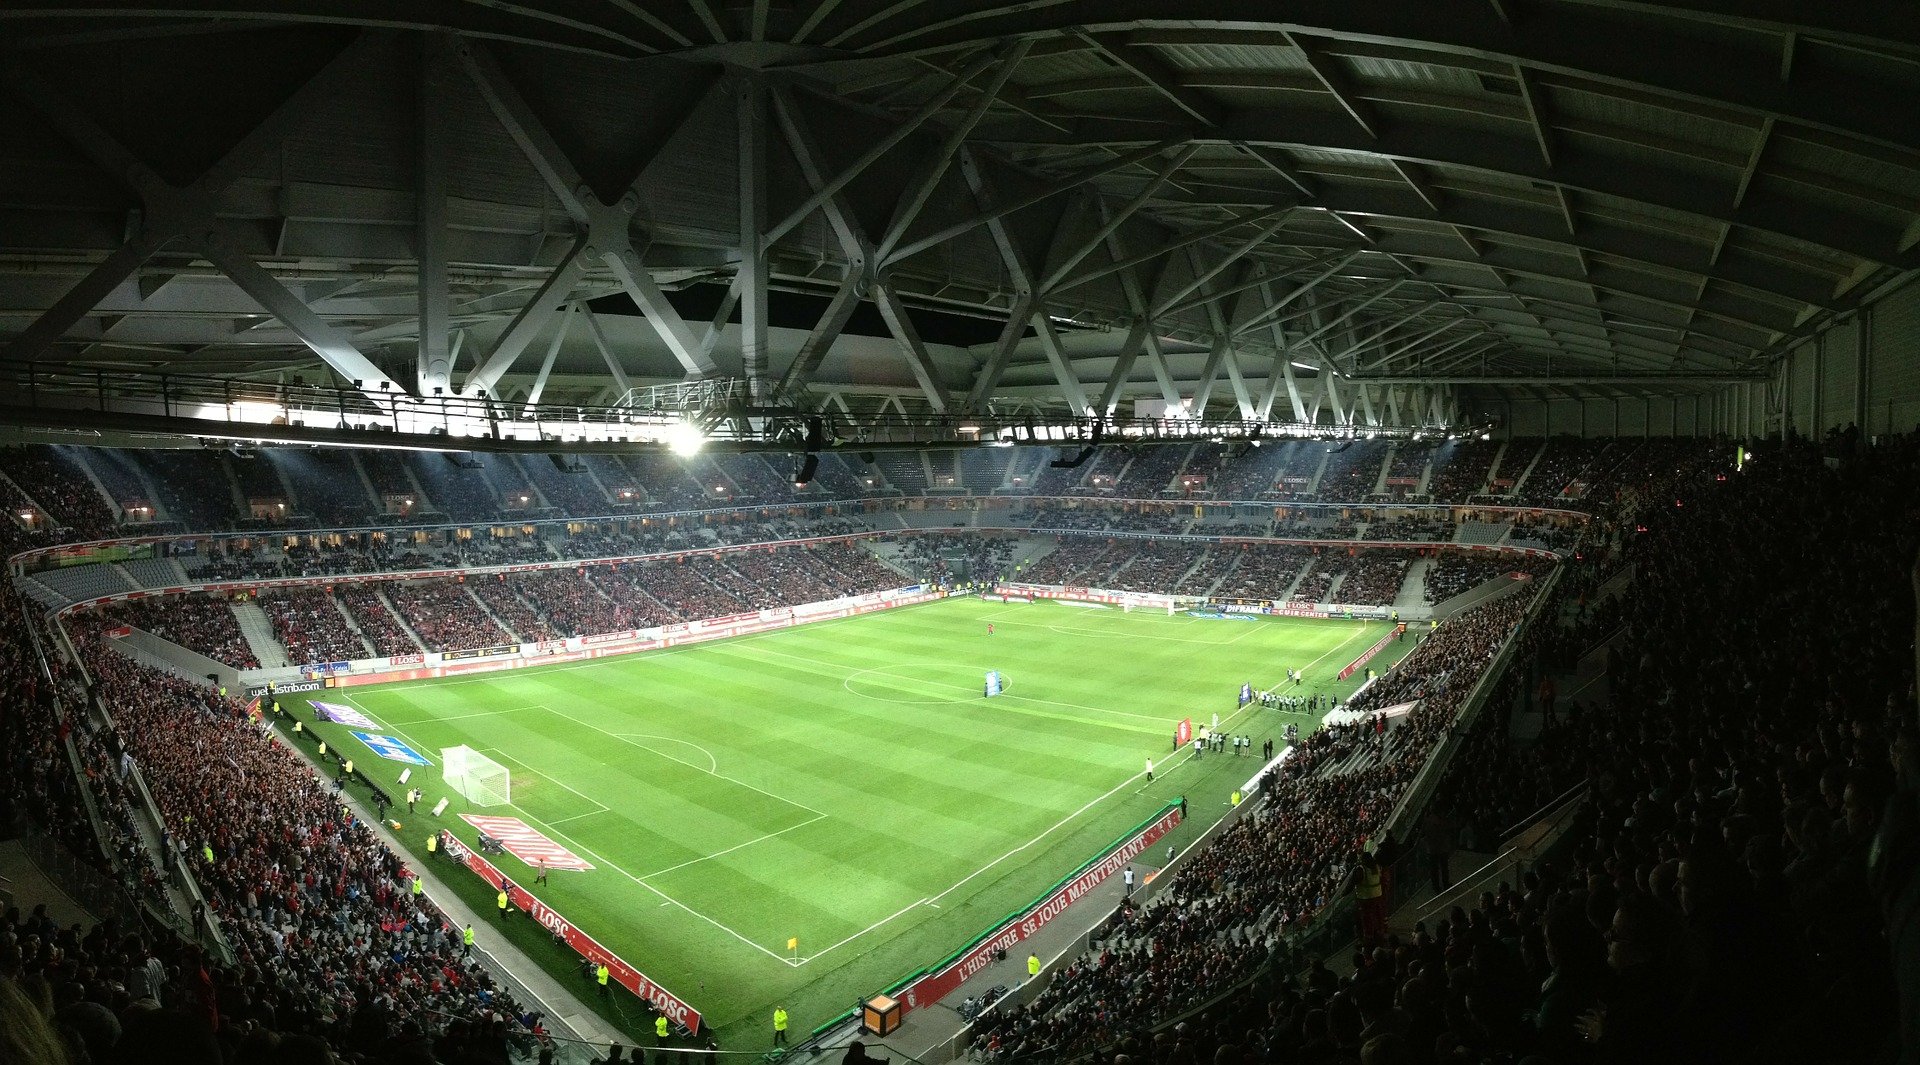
(855,531)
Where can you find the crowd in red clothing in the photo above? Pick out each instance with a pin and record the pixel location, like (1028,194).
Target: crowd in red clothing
(200,623)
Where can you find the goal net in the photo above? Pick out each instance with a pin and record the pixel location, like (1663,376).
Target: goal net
(483,781)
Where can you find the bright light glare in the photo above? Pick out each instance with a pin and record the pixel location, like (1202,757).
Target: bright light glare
(685,439)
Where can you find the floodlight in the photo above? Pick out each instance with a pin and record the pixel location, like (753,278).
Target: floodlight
(685,439)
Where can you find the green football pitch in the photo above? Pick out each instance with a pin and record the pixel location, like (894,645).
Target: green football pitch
(842,783)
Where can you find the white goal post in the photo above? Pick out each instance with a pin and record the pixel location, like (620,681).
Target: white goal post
(1154,601)
(481,780)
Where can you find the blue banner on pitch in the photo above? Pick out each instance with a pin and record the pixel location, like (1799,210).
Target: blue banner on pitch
(391,749)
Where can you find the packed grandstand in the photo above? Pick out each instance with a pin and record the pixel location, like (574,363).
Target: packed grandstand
(1711,902)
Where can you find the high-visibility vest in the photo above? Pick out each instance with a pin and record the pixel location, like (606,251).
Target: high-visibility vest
(500,900)
(600,974)
(1369,885)
(660,1026)
(299,726)
(433,842)
(207,849)
(467,937)
(418,887)
(348,768)
(779,1020)
(323,748)
(1033,965)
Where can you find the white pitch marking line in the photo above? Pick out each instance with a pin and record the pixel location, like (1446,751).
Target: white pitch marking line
(684,762)
(848,678)
(712,762)
(933,900)
(730,850)
(463,717)
(584,850)
(660,652)
(549,777)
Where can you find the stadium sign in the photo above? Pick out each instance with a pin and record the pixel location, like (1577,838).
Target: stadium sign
(285,687)
(618,969)
(938,984)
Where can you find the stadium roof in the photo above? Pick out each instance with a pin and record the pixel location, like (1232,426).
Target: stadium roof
(1315,208)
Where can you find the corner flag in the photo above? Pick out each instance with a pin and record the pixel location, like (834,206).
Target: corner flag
(793,943)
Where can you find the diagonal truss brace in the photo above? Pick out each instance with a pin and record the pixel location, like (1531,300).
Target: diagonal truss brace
(606,237)
(187,216)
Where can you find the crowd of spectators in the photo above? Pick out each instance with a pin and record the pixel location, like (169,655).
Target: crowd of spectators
(1432,528)
(1265,876)
(938,558)
(456,484)
(573,490)
(326,485)
(1254,571)
(1460,468)
(1158,565)
(630,586)
(375,620)
(1352,471)
(334,958)
(327,558)
(1373,578)
(232,561)
(1716,900)
(1565,461)
(1081,561)
(779,576)
(309,626)
(192,484)
(1455,572)
(132,499)
(1408,462)
(201,623)
(568,603)
(498,593)
(444,616)
(1318,581)
(62,491)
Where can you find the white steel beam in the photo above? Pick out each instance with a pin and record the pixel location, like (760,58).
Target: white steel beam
(553,352)
(880,149)
(901,326)
(622,384)
(1119,162)
(915,199)
(433,363)
(607,227)
(1333,265)
(750,111)
(1173,305)
(1114,220)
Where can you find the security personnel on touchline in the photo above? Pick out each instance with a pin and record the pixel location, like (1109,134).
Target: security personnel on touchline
(433,843)
(600,974)
(500,900)
(660,1027)
(779,1026)
(1033,966)
(466,942)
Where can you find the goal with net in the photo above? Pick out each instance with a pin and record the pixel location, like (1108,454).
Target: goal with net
(481,780)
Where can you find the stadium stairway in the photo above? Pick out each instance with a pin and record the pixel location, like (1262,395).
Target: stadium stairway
(259,634)
(398,619)
(1319,471)
(497,619)
(27,885)
(1413,590)
(1333,590)
(1520,482)
(353,626)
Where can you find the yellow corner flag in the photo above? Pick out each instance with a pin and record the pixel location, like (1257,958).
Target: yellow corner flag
(793,943)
